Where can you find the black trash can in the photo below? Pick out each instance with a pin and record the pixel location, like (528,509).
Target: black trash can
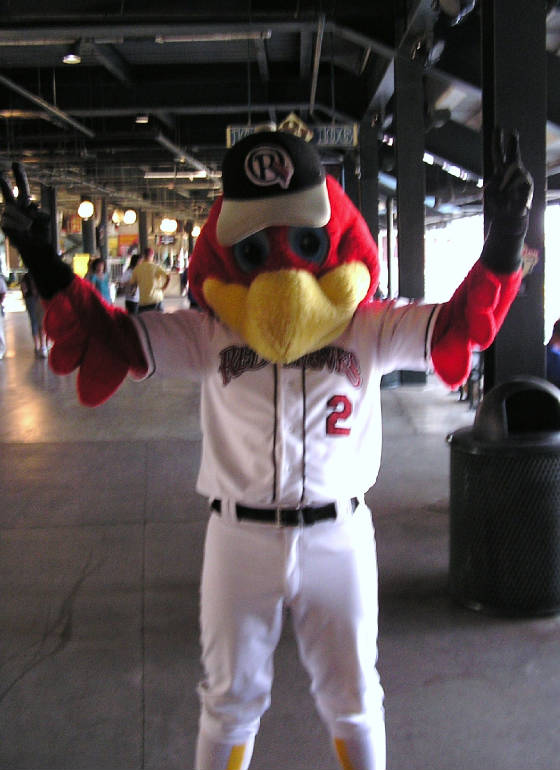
(505,502)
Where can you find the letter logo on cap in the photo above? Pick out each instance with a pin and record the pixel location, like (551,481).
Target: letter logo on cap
(267,165)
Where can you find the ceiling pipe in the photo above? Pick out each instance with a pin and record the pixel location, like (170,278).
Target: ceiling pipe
(316,62)
(50,108)
(197,109)
(162,33)
(215,37)
(181,154)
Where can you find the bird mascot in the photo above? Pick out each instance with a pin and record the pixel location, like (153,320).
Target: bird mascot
(289,350)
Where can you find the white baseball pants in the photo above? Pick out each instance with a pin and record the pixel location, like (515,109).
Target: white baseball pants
(327,575)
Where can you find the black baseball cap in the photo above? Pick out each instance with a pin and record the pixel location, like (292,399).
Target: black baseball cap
(271,178)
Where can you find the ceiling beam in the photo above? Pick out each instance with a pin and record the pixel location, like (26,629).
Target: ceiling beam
(112,60)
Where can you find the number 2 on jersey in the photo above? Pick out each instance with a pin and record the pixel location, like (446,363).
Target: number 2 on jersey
(341,410)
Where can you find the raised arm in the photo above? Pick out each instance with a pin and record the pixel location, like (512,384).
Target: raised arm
(473,316)
(88,334)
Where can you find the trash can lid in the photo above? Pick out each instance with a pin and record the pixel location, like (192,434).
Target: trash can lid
(521,408)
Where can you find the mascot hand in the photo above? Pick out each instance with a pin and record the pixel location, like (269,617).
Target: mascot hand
(87,332)
(508,197)
(28,229)
(473,316)
(96,337)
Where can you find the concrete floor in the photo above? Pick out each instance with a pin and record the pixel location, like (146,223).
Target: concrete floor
(100,554)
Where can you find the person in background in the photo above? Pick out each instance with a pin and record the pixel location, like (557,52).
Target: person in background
(152,280)
(35,312)
(184,279)
(553,356)
(131,290)
(100,279)
(3,290)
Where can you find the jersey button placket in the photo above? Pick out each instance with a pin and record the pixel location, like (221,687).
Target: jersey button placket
(291,399)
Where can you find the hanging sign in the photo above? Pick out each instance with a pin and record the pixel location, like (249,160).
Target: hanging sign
(293,124)
(323,135)
(336,135)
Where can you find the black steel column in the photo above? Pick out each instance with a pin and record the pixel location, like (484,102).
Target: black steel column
(48,203)
(390,214)
(369,177)
(190,240)
(142,231)
(88,235)
(102,241)
(409,139)
(350,181)
(514,97)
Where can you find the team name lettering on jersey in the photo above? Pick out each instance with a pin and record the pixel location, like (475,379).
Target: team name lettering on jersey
(235,360)
(334,360)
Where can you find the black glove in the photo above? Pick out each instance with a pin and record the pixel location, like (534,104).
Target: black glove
(508,196)
(28,229)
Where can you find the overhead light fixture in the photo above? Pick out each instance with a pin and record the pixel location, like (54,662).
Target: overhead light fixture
(195,232)
(168,226)
(117,217)
(73,55)
(142,119)
(86,209)
(182,175)
(129,217)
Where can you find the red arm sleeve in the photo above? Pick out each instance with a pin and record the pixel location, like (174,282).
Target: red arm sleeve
(471,319)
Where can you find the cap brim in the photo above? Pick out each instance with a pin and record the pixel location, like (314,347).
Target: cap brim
(240,218)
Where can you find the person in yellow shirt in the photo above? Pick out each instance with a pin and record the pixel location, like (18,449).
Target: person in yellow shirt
(152,280)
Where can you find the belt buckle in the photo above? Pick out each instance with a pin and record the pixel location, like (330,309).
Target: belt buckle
(279,523)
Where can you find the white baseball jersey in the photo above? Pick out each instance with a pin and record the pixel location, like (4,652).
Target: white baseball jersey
(303,433)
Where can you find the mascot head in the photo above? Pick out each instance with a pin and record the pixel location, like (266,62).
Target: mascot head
(285,258)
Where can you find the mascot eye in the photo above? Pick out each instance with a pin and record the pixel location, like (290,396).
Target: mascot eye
(251,252)
(311,243)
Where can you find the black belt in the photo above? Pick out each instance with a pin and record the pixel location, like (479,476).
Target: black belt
(285,517)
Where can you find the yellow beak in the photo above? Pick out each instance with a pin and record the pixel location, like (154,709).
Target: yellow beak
(285,314)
